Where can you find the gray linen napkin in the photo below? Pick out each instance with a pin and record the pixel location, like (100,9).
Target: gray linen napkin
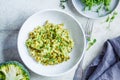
(107,65)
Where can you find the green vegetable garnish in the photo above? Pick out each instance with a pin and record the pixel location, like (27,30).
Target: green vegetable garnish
(104,4)
(62,5)
(91,43)
(110,18)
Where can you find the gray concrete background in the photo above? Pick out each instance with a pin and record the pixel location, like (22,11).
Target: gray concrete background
(13,13)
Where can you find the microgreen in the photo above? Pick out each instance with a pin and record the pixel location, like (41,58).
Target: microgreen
(110,18)
(62,5)
(99,4)
(90,43)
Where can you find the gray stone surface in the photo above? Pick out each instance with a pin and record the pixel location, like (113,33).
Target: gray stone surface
(13,13)
(8,42)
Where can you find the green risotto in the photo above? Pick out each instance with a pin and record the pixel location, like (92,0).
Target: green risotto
(50,44)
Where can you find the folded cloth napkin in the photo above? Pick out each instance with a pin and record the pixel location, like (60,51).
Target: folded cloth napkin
(107,65)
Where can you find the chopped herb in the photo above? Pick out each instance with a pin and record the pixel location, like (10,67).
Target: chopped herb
(63,0)
(90,43)
(98,10)
(113,16)
(62,3)
(108,18)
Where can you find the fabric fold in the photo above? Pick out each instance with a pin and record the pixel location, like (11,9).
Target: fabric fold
(108,60)
(106,66)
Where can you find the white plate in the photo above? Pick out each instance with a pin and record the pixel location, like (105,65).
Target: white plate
(56,17)
(91,14)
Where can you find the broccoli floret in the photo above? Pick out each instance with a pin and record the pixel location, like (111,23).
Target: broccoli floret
(13,70)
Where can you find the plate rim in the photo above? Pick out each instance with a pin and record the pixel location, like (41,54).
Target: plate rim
(84,38)
(96,18)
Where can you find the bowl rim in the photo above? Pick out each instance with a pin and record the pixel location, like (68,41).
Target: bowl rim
(95,18)
(82,54)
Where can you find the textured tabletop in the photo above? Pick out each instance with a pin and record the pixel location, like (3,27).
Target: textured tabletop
(13,13)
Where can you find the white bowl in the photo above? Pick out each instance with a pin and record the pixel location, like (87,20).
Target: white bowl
(94,15)
(56,17)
